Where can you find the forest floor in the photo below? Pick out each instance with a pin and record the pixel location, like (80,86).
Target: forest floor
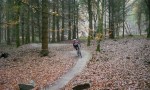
(25,65)
(122,64)
(73,72)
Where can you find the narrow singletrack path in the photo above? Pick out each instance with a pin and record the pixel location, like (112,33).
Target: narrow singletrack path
(79,66)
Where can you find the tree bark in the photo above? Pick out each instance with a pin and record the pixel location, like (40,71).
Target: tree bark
(57,22)
(32,27)
(100,23)
(69,18)
(77,19)
(38,21)
(18,3)
(90,22)
(54,23)
(1,8)
(44,51)
(22,28)
(28,24)
(62,30)
(8,28)
(123,18)
(74,20)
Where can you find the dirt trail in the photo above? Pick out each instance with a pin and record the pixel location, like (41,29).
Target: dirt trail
(81,63)
(121,65)
(61,62)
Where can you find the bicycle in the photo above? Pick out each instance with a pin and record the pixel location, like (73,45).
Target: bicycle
(79,51)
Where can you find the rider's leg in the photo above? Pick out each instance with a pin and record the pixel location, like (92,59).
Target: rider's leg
(74,46)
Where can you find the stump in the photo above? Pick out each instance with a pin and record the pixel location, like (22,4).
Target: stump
(25,87)
(81,86)
(4,55)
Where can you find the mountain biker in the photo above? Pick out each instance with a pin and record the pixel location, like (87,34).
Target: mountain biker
(76,43)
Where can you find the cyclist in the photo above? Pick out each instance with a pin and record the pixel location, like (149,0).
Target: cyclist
(76,43)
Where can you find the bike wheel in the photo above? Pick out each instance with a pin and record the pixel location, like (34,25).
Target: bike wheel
(79,53)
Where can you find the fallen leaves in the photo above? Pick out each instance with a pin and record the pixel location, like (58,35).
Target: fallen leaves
(25,64)
(119,66)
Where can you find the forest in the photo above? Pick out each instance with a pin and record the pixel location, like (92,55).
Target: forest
(37,52)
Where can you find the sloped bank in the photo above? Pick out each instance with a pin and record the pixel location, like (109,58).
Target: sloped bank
(25,64)
(121,65)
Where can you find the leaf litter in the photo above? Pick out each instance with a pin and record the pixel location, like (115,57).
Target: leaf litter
(25,64)
(121,65)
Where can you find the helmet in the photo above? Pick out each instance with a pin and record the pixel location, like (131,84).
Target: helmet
(74,39)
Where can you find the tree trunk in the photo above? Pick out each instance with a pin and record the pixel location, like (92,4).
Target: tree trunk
(32,27)
(0,31)
(69,18)
(74,20)
(54,19)
(148,6)
(139,23)
(117,30)
(1,8)
(0,34)
(38,21)
(22,28)
(57,22)
(18,3)
(8,28)
(28,25)
(62,31)
(148,35)
(123,17)
(77,19)
(100,24)
(105,16)
(44,51)
(49,26)
(90,22)
(111,19)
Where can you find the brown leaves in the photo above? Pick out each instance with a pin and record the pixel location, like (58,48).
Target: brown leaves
(25,64)
(117,66)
